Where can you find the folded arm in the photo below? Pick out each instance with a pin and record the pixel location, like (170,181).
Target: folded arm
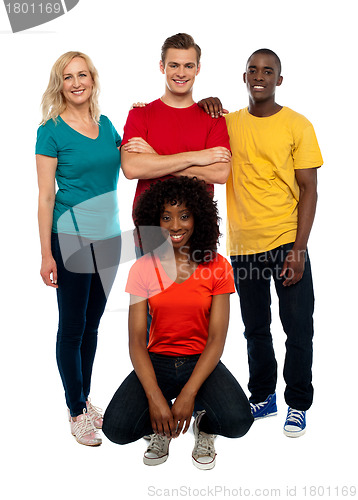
(216,173)
(140,161)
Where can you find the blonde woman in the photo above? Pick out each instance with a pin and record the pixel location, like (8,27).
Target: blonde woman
(78,148)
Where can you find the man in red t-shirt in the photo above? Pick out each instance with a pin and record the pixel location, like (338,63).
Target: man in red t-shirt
(172,135)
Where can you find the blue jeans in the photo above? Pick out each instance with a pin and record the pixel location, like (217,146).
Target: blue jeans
(227,408)
(253,275)
(81,303)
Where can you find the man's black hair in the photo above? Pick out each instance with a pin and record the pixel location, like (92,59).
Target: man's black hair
(268,52)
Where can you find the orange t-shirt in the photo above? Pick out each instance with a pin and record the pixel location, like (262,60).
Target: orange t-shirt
(180,311)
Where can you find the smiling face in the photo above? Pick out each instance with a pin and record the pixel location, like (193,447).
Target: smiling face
(77,82)
(179,222)
(262,77)
(180,69)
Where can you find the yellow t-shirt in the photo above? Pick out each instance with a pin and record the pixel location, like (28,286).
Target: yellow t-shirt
(262,192)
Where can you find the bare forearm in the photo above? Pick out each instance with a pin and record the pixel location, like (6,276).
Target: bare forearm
(160,414)
(307,181)
(207,362)
(151,166)
(144,368)
(45,218)
(183,407)
(217,173)
(306,214)
(147,164)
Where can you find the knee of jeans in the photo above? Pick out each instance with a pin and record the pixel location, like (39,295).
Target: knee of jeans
(114,433)
(90,330)
(257,331)
(71,329)
(297,327)
(239,424)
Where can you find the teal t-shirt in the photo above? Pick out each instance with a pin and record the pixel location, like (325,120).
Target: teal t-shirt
(86,175)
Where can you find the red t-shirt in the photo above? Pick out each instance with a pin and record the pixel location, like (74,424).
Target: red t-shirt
(174,130)
(180,311)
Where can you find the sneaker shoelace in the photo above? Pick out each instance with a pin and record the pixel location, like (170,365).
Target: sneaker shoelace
(295,416)
(94,411)
(84,426)
(204,445)
(258,406)
(157,444)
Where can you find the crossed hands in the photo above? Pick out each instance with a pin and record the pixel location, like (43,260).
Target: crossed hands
(200,158)
(171,421)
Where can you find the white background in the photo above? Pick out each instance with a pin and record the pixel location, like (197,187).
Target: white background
(317,44)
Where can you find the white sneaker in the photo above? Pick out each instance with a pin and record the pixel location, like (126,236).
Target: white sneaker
(157,451)
(95,413)
(84,430)
(204,455)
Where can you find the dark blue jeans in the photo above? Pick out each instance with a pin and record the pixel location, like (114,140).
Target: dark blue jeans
(253,275)
(227,408)
(81,303)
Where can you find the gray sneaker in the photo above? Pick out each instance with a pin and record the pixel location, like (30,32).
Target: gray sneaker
(157,451)
(204,455)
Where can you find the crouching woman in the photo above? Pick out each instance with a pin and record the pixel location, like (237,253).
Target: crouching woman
(187,285)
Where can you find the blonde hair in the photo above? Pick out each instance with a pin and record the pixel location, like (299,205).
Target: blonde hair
(53,102)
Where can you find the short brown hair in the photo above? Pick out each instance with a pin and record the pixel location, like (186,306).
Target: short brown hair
(180,41)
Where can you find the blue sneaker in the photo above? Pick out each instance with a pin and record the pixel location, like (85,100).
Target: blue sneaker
(295,424)
(267,408)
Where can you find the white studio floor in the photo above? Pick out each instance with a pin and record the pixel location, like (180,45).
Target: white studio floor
(264,462)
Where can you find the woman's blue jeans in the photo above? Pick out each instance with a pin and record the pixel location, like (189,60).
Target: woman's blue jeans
(81,303)
(253,275)
(227,408)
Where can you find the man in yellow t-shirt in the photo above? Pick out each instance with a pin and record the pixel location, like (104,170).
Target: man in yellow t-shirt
(271,202)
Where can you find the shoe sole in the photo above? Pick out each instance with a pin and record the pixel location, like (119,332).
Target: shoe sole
(202,466)
(155,461)
(294,434)
(87,444)
(265,416)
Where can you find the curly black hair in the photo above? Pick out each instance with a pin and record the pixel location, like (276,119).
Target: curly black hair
(195,194)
